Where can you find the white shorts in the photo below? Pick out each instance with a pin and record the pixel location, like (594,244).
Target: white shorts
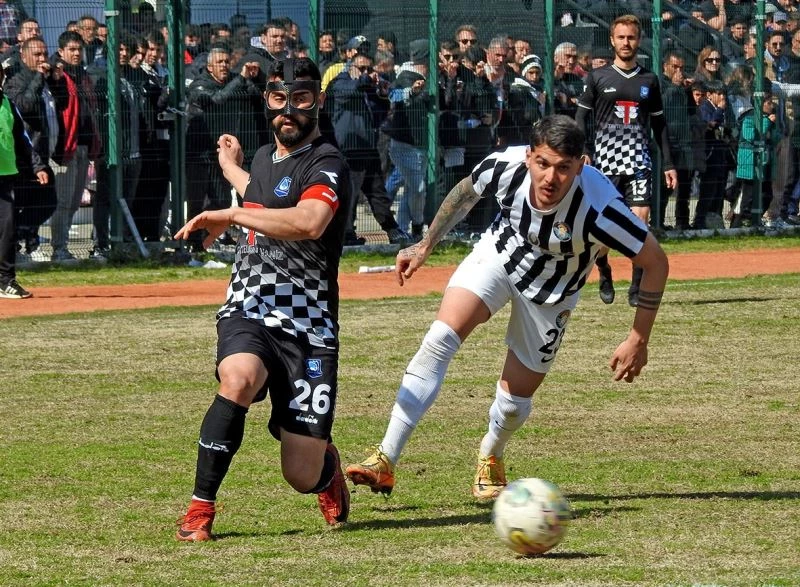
(534,331)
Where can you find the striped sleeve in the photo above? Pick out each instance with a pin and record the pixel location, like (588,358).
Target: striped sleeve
(620,229)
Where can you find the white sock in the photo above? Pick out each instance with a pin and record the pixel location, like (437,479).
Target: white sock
(507,415)
(420,386)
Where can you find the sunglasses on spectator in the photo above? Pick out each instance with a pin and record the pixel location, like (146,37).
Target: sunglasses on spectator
(470,41)
(448,56)
(712,59)
(779,44)
(365,68)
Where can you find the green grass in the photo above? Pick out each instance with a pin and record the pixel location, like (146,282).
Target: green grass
(88,273)
(689,476)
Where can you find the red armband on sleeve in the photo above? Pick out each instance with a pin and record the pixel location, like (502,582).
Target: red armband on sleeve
(323,193)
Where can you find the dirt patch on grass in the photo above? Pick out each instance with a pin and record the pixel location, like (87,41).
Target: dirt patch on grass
(57,300)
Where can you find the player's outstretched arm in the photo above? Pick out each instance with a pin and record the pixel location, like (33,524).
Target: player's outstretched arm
(230,156)
(453,209)
(631,355)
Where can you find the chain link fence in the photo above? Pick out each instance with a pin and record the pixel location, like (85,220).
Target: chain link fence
(417,94)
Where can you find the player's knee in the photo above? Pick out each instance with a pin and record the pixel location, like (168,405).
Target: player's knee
(239,386)
(438,347)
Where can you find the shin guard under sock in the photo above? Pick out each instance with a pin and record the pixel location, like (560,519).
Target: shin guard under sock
(221,436)
(420,386)
(506,415)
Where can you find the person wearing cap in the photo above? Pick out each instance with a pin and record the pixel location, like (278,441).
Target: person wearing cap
(778,22)
(356,45)
(526,100)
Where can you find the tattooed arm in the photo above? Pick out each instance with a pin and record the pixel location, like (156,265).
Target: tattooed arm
(453,209)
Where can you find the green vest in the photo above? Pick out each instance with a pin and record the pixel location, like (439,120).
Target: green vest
(8,155)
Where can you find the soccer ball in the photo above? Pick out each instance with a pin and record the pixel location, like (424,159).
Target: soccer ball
(531,516)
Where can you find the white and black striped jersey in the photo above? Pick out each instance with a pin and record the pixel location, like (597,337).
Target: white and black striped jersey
(623,102)
(292,285)
(548,254)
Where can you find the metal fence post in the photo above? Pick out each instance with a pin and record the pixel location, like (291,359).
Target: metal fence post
(313,30)
(548,58)
(758,116)
(112,159)
(433,92)
(175,47)
(658,169)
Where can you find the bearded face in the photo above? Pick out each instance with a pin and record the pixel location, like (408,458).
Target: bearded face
(292,129)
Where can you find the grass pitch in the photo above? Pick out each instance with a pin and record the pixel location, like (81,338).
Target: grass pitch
(689,476)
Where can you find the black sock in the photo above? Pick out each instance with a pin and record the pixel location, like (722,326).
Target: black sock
(601,262)
(220,437)
(325,478)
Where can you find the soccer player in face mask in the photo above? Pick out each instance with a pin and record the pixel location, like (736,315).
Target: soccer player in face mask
(278,328)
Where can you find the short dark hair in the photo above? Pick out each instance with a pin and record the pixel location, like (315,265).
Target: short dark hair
(220,26)
(272,24)
(68,37)
(714,86)
(672,52)
(303,67)
(127,39)
(561,133)
(156,38)
(448,45)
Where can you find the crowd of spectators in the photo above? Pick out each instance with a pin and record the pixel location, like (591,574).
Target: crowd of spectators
(490,92)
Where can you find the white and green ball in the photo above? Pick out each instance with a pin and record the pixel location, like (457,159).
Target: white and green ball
(531,516)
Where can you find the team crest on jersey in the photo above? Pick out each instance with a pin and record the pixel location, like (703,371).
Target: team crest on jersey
(314,368)
(561,319)
(282,189)
(644,91)
(562,232)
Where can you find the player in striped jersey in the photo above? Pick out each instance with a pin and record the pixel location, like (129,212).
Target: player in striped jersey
(556,216)
(626,101)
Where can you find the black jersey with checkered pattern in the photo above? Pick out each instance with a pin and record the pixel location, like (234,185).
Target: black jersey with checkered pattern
(548,254)
(623,102)
(292,285)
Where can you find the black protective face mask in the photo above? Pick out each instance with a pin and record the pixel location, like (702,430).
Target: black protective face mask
(289,88)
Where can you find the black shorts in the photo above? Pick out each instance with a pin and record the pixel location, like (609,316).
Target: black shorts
(636,190)
(301,381)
